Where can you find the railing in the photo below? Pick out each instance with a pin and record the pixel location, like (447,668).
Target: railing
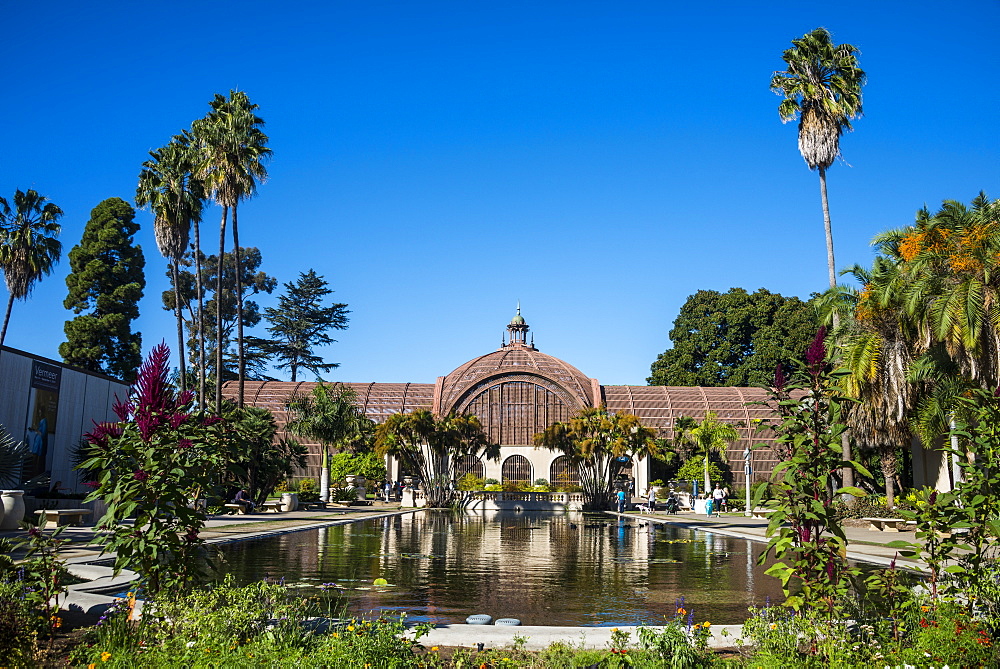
(503,496)
(500,498)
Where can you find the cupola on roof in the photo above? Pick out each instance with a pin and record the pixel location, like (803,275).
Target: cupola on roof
(516,360)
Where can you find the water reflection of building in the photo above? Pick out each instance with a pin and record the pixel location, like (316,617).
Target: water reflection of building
(548,569)
(518,391)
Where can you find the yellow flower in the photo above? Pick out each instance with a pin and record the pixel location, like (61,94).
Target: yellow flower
(91,666)
(681,612)
(925,609)
(707,624)
(105,656)
(434,649)
(335,635)
(774,626)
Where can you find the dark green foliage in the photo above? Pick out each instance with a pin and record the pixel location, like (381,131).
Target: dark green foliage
(106,281)
(734,339)
(253,282)
(300,323)
(261,462)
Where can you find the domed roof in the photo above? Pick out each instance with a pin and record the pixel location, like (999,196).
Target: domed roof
(514,362)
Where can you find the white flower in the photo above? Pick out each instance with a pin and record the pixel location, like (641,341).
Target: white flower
(190,644)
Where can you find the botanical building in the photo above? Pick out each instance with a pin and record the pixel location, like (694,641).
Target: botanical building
(517,391)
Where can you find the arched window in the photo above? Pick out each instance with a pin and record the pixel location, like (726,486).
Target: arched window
(563,472)
(517,468)
(470,464)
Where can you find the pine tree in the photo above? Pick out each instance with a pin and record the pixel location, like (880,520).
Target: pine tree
(106,280)
(300,323)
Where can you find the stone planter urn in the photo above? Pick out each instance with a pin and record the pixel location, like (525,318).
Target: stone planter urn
(289,501)
(358,483)
(13,508)
(408,481)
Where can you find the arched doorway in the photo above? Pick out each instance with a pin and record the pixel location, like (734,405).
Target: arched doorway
(470,464)
(563,473)
(516,468)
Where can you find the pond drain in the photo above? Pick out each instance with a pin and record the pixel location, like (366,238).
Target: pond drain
(507,622)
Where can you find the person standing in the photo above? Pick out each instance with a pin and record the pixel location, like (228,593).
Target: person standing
(621,501)
(718,499)
(651,499)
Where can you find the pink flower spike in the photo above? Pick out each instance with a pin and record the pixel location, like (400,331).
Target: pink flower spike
(140,475)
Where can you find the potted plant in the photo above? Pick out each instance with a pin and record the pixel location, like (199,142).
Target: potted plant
(344,496)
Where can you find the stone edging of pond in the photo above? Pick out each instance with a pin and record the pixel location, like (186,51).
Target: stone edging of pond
(89,597)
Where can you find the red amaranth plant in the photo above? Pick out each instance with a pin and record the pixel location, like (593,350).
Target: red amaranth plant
(152,464)
(805,533)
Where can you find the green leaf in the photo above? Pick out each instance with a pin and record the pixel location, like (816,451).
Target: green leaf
(852,490)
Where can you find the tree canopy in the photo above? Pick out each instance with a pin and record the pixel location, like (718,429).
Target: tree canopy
(300,323)
(600,444)
(106,281)
(734,338)
(433,448)
(254,281)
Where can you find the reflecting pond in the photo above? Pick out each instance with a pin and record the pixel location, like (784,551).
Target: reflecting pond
(539,567)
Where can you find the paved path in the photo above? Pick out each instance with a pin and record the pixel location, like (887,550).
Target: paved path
(221,529)
(862,544)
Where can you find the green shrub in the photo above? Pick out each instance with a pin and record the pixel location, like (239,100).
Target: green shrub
(471,482)
(694,470)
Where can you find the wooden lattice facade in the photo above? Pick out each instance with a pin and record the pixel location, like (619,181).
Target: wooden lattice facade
(518,391)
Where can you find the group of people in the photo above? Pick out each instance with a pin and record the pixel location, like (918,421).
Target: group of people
(718,501)
(392,491)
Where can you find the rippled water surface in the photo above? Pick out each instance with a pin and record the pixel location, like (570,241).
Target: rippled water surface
(542,568)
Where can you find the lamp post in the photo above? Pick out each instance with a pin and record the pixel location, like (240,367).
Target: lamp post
(746,475)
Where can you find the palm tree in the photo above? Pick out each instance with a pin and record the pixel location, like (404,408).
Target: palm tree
(167,185)
(29,247)
(234,149)
(712,436)
(878,352)
(822,87)
(330,415)
(598,442)
(433,448)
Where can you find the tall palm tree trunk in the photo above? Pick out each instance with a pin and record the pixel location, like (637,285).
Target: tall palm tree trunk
(180,323)
(6,318)
(889,471)
(831,266)
(847,473)
(201,315)
(239,305)
(218,310)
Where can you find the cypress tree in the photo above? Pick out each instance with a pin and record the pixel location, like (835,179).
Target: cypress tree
(300,322)
(106,281)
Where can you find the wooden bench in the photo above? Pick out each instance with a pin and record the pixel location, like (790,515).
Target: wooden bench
(59,517)
(883,524)
(271,506)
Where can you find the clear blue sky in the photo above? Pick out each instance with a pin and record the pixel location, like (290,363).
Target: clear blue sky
(437,161)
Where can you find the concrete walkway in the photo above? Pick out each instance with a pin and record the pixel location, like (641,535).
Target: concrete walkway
(82,552)
(863,545)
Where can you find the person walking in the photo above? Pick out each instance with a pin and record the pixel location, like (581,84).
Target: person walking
(718,499)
